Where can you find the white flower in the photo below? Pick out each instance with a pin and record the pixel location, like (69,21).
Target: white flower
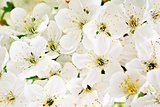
(104,61)
(11,91)
(49,96)
(152,98)
(148,58)
(134,18)
(86,94)
(34,23)
(52,36)
(153,14)
(107,22)
(126,84)
(68,72)
(25,57)
(72,20)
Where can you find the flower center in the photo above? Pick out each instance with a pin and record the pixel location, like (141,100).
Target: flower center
(51,45)
(32,59)
(102,27)
(151,65)
(133,23)
(101,61)
(129,88)
(49,102)
(10,96)
(80,24)
(155,15)
(30,25)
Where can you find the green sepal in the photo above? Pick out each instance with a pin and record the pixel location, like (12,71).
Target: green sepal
(78,76)
(118,104)
(102,71)
(21,36)
(34,78)
(55,8)
(141,94)
(5,68)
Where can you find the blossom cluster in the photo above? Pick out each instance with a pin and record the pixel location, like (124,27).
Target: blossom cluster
(79,53)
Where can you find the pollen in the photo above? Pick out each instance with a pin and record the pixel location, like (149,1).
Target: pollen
(128,86)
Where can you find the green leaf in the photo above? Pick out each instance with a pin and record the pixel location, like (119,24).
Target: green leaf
(21,36)
(141,94)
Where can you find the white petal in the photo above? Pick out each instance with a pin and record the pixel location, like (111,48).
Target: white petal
(9,77)
(16,67)
(40,10)
(146,101)
(102,45)
(92,77)
(75,86)
(3,57)
(87,43)
(30,91)
(115,81)
(69,42)
(153,78)
(18,14)
(139,3)
(82,60)
(144,50)
(66,20)
(117,1)
(69,71)
(115,49)
(18,51)
(43,25)
(55,85)
(38,44)
(135,64)
(53,32)
(143,33)
(76,6)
